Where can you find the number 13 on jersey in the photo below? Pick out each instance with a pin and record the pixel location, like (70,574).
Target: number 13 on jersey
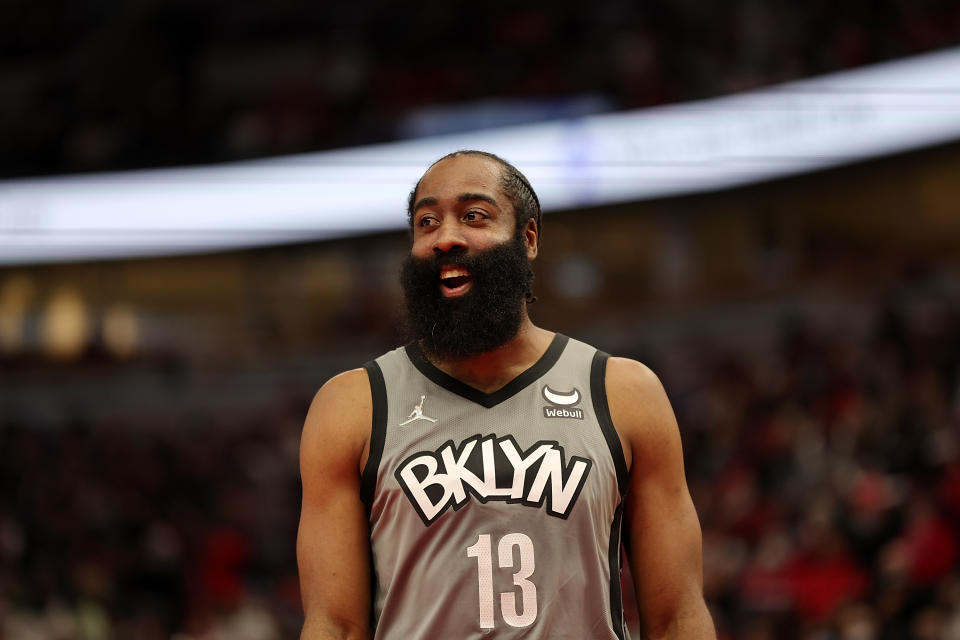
(482,550)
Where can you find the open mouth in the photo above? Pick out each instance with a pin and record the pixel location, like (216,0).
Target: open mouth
(454,281)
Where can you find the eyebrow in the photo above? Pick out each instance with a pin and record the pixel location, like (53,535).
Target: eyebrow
(467,197)
(463,197)
(424,202)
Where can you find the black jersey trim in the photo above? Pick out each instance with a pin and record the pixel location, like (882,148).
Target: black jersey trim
(598,389)
(616,593)
(488,400)
(378,433)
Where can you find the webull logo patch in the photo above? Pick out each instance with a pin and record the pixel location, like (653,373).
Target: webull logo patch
(562,403)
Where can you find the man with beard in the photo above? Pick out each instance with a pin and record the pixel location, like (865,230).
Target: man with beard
(475,482)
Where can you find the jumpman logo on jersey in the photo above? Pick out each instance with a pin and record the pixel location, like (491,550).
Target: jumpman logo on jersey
(417,414)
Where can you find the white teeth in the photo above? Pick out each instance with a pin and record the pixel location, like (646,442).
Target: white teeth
(453,272)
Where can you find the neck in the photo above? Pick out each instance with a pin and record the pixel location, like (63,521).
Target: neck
(493,369)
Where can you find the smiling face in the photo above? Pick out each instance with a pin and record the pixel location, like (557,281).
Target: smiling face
(460,205)
(468,273)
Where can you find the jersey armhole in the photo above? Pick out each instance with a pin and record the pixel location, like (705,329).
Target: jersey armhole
(598,390)
(378,433)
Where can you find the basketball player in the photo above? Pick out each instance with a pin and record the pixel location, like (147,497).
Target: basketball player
(478,482)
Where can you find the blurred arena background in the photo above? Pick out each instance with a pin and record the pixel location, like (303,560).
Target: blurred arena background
(806,327)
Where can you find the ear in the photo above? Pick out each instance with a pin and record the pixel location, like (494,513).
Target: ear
(531,234)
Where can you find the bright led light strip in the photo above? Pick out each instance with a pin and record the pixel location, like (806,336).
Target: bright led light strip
(664,151)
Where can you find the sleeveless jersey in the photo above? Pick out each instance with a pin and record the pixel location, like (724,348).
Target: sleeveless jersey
(495,515)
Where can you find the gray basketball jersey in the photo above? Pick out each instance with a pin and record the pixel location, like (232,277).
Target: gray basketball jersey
(495,515)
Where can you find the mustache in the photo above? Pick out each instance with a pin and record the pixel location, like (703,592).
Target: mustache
(454,258)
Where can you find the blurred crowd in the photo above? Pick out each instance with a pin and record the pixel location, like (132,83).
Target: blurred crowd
(114,85)
(827,476)
(110,532)
(825,469)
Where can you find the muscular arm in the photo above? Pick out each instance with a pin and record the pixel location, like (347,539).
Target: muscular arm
(333,543)
(665,540)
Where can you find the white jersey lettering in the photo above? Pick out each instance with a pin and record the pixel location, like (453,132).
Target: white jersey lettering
(457,473)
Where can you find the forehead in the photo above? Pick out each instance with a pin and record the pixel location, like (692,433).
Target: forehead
(462,174)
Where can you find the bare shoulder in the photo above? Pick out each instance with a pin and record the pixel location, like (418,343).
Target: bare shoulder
(333,536)
(639,408)
(665,540)
(338,422)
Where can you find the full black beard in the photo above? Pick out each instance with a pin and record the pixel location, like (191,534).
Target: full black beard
(486,317)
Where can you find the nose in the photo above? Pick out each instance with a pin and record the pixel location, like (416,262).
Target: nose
(448,237)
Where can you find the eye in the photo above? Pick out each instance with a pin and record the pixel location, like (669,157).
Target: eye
(475,216)
(426,220)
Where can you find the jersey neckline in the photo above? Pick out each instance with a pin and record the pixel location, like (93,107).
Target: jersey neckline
(488,400)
